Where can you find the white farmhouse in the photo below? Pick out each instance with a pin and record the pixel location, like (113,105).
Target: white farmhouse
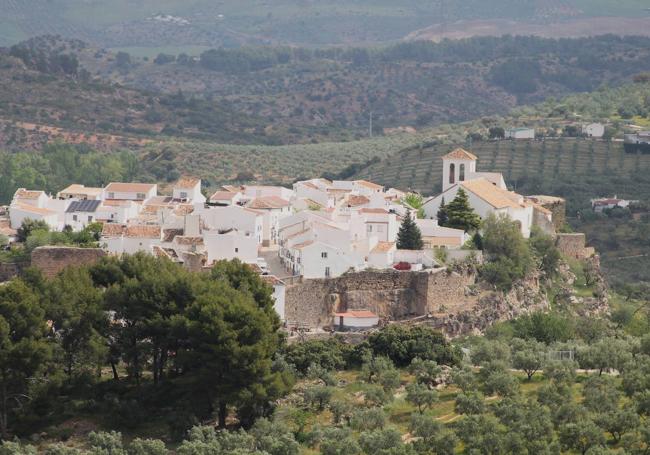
(224,198)
(314,259)
(247,221)
(19,212)
(520,133)
(596,130)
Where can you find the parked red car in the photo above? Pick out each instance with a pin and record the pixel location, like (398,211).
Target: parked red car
(402,266)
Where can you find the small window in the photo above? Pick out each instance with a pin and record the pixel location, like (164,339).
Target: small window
(236,250)
(183,194)
(111,195)
(90,218)
(140,196)
(452,173)
(369,228)
(461,173)
(327,272)
(74,217)
(323,255)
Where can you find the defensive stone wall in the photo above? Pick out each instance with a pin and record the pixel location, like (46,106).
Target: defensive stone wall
(9,270)
(389,294)
(50,260)
(574,245)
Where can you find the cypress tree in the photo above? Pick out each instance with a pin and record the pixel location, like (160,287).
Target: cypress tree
(442,216)
(409,236)
(461,215)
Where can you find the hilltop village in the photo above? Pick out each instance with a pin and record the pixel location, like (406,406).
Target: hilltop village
(317,231)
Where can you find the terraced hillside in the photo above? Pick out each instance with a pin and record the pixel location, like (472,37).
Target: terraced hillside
(578,169)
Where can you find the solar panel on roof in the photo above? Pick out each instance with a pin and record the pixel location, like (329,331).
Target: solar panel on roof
(83,206)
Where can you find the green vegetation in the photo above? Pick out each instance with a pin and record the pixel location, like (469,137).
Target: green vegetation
(458,214)
(409,236)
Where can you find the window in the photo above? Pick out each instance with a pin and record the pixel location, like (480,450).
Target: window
(461,173)
(327,272)
(183,194)
(236,250)
(452,173)
(74,217)
(90,218)
(369,228)
(323,255)
(111,195)
(140,196)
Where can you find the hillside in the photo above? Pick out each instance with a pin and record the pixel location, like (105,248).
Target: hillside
(186,24)
(289,95)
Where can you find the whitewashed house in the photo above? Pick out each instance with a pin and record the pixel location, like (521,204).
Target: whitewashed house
(225,198)
(19,212)
(188,189)
(129,239)
(382,256)
(80,214)
(434,236)
(520,133)
(596,130)
(80,192)
(279,292)
(273,209)
(245,220)
(130,191)
(380,223)
(230,244)
(314,259)
(356,319)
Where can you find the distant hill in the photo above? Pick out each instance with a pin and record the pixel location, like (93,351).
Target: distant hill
(303,95)
(184,24)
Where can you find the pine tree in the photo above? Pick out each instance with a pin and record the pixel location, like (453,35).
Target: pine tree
(409,236)
(442,216)
(461,215)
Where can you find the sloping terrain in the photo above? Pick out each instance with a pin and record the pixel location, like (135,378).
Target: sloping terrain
(578,169)
(156,23)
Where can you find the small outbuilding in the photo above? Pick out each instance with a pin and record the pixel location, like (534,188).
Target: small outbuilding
(356,319)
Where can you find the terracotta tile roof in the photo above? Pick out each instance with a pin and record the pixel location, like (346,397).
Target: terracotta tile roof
(356,314)
(22,193)
(272,280)
(292,236)
(492,194)
(183,209)
(356,201)
(113,230)
(187,240)
(115,203)
(300,246)
(378,211)
(187,182)
(143,232)
(169,234)
(443,241)
(383,247)
(268,202)
(117,187)
(367,184)
(33,209)
(460,154)
(231,188)
(223,196)
(75,188)
(309,185)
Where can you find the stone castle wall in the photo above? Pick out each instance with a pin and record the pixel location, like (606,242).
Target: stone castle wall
(389,294)
(574,246)
(50,260)
(9,270)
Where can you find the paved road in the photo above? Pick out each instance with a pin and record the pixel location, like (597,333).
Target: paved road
(273,262)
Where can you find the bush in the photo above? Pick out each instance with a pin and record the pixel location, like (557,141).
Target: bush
(403,344)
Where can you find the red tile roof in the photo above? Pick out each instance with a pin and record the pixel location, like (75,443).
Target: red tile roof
(268,202)
(460,154)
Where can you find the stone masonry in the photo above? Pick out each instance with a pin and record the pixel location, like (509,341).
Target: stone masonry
(389,294)
(50,260)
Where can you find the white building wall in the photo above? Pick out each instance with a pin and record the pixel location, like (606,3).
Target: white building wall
(231,245)
(18,215)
